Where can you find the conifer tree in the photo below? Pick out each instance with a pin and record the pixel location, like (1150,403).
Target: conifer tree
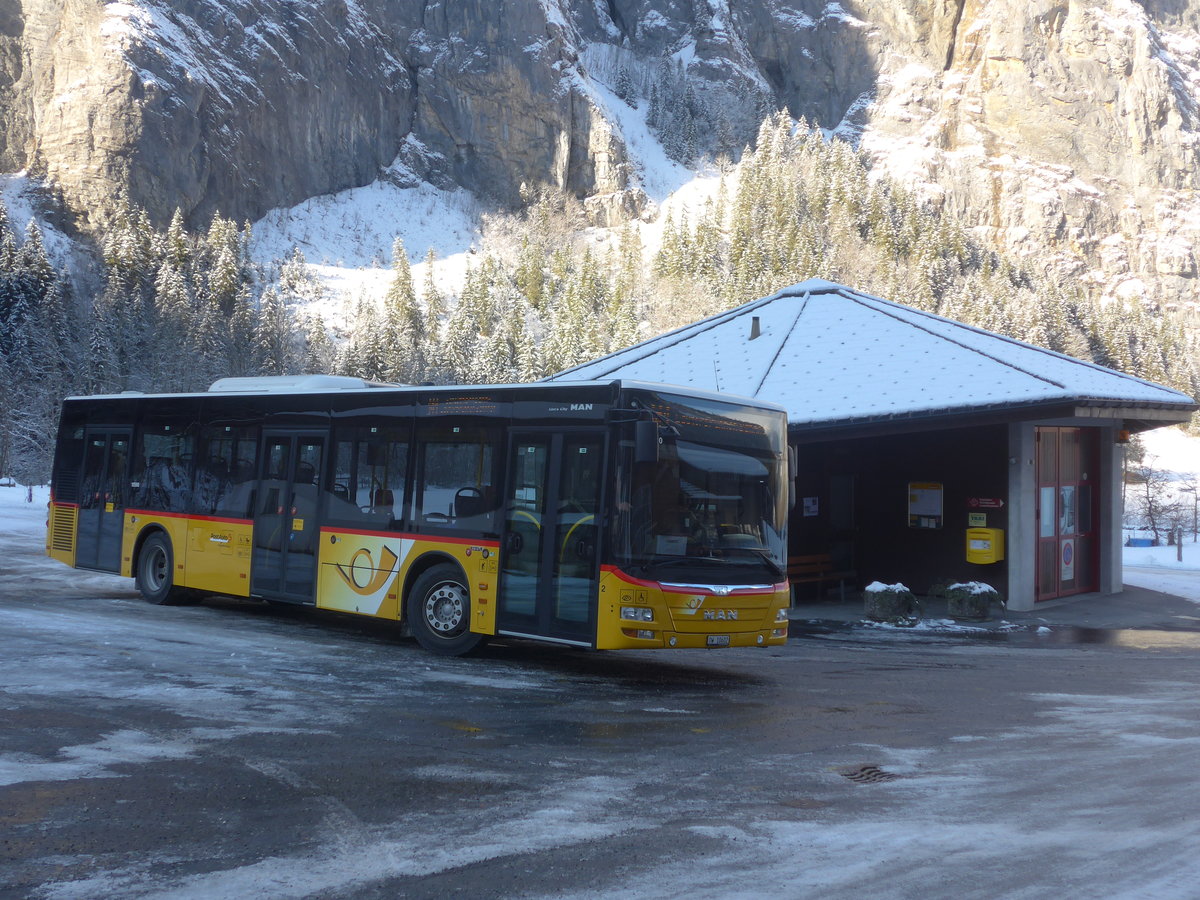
(403,324)
(275,336)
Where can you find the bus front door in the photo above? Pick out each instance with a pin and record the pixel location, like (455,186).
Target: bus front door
(284,562)
(102,500)
(549,570)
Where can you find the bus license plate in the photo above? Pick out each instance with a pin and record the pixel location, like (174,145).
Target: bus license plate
(718,640)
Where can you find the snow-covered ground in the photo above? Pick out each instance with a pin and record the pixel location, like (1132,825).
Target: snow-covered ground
(1160,568)
(347,237)
(198,752)
(19,515)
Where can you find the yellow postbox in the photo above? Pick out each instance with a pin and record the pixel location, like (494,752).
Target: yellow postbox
(985,545)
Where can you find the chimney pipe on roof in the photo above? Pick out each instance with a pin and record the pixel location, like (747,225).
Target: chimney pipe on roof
(755,330)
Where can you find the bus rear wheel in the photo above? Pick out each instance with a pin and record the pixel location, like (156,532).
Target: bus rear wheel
(439,612)
(155,572)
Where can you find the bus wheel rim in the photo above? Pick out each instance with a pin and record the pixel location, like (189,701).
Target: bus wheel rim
(445,609)
(156,569)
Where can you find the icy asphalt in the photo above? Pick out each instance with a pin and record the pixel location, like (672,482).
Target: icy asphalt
(231,749)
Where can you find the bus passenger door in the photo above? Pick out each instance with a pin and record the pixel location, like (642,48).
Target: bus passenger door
(284,560)
(102,500)
(549,562)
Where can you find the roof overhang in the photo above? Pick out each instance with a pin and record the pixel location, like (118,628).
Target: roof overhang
(1132,418)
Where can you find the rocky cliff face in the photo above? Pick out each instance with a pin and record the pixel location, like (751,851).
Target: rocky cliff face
(1047,124)
(1062,126)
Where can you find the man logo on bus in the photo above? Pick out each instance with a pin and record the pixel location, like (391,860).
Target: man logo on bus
(580,407)
(364,577)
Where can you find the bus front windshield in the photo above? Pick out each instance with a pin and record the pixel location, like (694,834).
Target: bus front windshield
(715,498)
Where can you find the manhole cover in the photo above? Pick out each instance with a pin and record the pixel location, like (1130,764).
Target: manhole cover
(868,774)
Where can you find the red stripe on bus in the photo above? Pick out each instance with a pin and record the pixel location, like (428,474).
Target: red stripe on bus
(174,515)
(405,535)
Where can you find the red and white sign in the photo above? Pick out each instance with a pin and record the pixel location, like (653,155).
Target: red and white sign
(986,503)
(1068,560)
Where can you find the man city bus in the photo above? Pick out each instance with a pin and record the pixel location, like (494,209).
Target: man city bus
(610,515)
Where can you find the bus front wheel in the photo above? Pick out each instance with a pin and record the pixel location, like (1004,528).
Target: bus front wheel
(155,571)
(439,612)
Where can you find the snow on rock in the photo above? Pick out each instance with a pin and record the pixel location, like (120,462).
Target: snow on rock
(972,587)
(878,587)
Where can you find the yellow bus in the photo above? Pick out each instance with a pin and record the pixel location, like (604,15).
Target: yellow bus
(603,515)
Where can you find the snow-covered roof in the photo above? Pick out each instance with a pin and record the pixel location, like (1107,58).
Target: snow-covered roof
(833,356)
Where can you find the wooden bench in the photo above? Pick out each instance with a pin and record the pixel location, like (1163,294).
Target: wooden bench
(817,568)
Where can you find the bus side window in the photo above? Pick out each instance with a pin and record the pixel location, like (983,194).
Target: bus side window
(458,486)
(369,472)
(164,470)
(225,473)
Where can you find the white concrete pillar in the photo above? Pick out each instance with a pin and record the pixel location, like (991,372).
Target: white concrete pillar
(1020,546)
(1108,543)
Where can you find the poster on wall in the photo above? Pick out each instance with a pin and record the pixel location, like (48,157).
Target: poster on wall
(1068,560)
(811,506)
(924,504)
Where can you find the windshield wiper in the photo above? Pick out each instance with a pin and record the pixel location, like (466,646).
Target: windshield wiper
(765,554)
(670,561)
(673,561)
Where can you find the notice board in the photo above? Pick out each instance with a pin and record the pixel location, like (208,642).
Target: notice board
(924,504)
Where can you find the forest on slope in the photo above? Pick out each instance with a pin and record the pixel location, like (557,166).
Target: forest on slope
(178,309)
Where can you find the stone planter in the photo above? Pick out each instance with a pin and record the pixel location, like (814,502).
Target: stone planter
(971,601)
(889,603)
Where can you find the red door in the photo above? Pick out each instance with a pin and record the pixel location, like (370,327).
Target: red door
(1066,512)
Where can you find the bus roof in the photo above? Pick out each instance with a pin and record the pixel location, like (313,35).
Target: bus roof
(268,385)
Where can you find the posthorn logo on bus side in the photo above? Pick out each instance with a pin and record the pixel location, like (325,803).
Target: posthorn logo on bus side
(362,575)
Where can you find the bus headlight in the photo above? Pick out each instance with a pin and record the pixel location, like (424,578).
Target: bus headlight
(781,615)
(643,634)
(637,613)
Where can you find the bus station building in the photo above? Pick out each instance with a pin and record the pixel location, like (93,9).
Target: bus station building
(928,451)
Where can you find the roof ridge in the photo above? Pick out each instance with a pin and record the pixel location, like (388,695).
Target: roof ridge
(995,335)
(783,341)
(967,347)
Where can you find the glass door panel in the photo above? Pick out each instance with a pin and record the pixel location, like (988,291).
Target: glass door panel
(578,496)
(102,501)
(549,567)
(524,517)
(285,517)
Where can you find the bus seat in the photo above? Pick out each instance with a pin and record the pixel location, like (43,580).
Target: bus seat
(382,500)
(470,501)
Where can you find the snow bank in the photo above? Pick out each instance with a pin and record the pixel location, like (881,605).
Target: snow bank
(1164,557)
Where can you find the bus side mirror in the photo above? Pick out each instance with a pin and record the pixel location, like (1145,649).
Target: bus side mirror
(793,459)
(645,441)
